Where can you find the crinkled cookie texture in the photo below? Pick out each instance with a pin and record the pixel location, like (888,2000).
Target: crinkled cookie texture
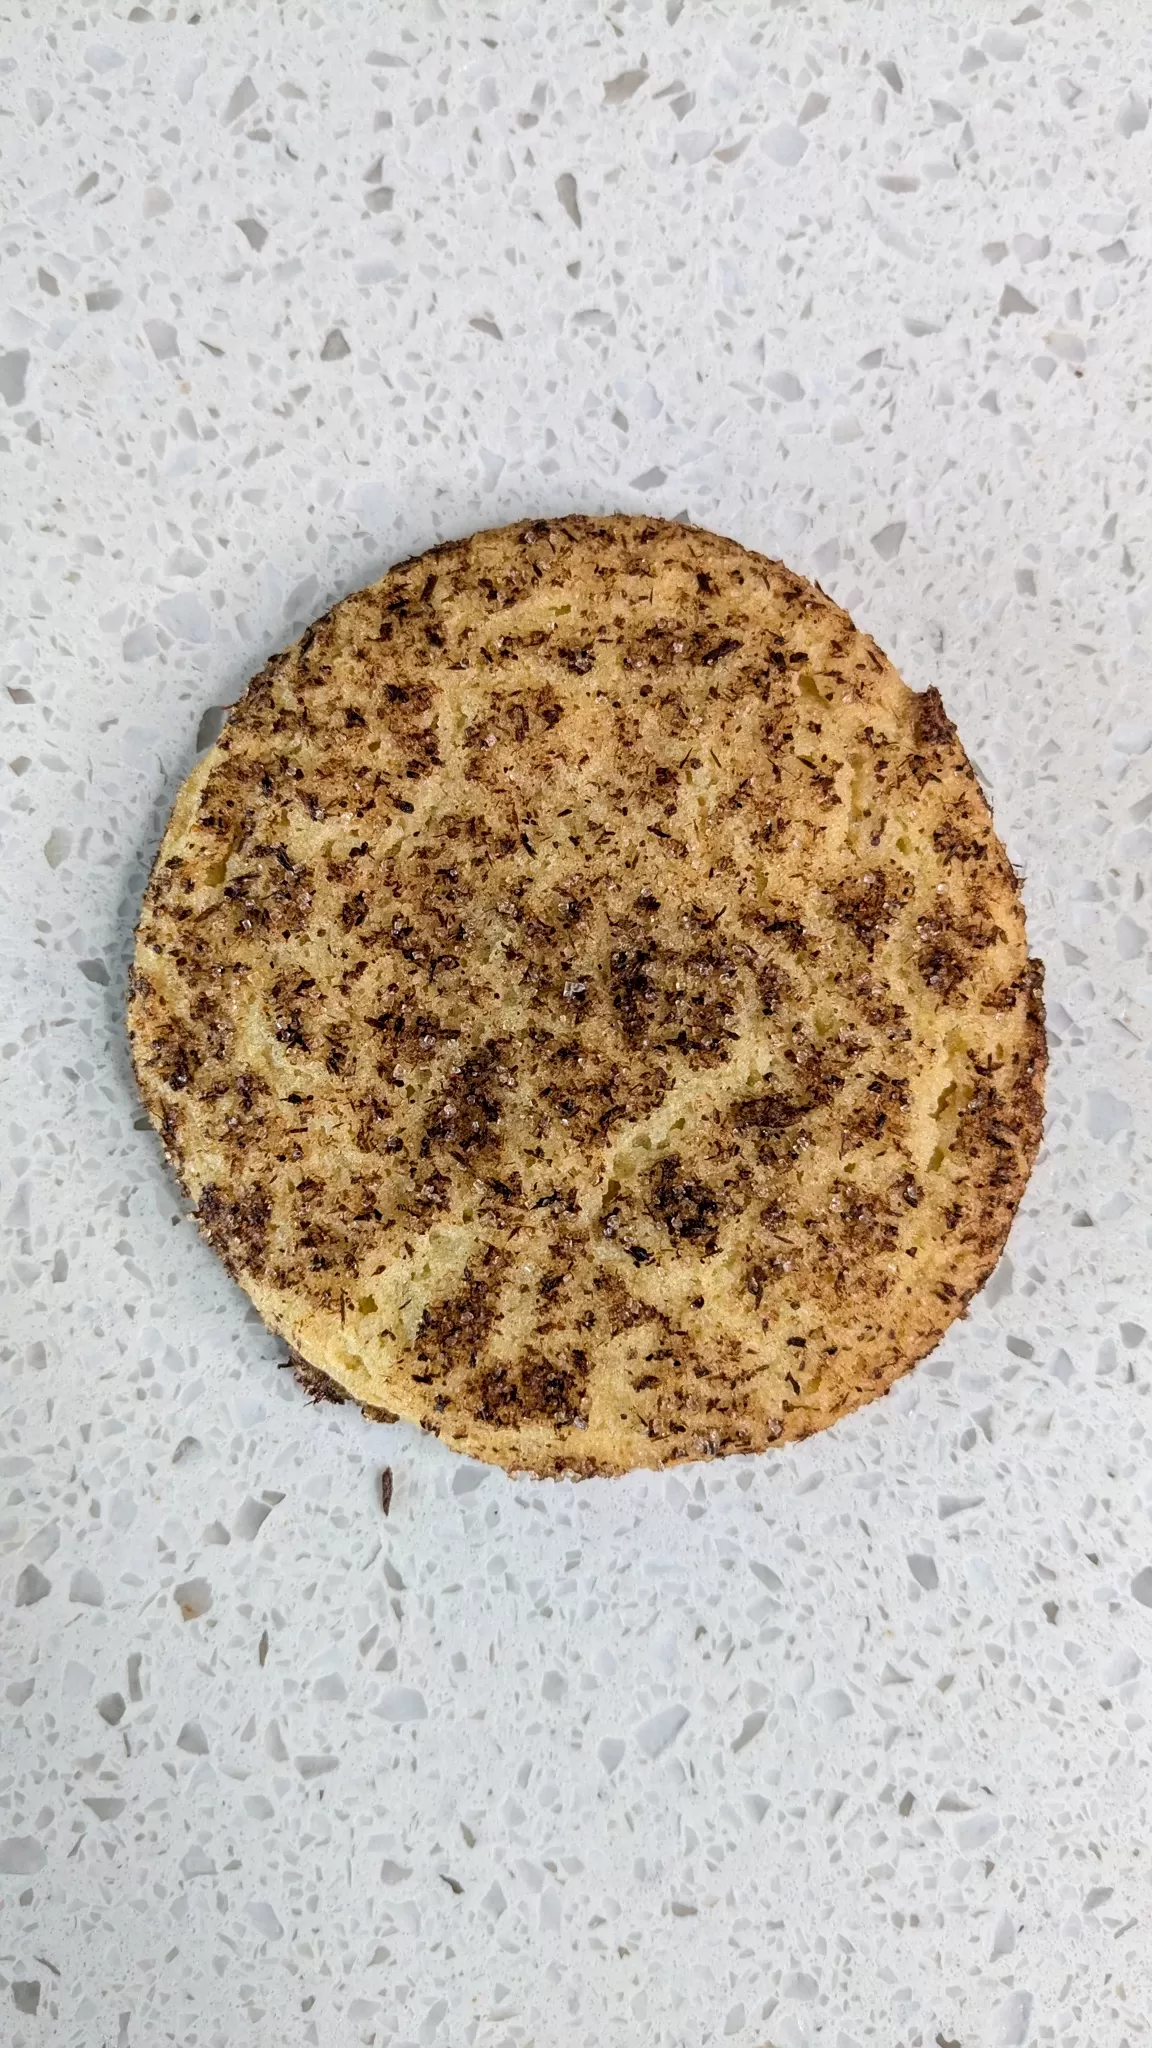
(587,1002)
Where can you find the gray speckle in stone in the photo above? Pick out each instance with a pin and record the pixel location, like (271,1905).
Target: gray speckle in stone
(785,145)
(31,1586)
(241,98)
(402,1703)
(21,1856)
(624,86)
(162,339)
(566,194)
(13,374)
(193,1598)
(1133,116)
(888,541)
(656,1735)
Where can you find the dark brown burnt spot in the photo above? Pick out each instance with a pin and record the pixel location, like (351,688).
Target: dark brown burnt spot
(719,651)
(988,1134)
(406,709)
(249,1089)
(430,1196)
(587,1094)
(684,1396)
(773,988)
(783,924)
(687,1209)
(674,714)
(337,1052)
(171,1129)
(768,1115)
(316,645)
(874,998)
(247,1113)
(293,1003)
(552,1302)
(414,1030)
(620,1309)
(1026,987)
(499,1197)
(634,992)
(236,1227)
(316,1384)
(931,723)
(375,1115)
(464,1120)
(258,696)
(870,905)
(1005,997)
(503,721)
(176,1063)
(273,896)
(942,963)
(454,1331)
(881,1114)
(953,843)
(865,1223)
(536,1389)
(372,1413)
(326,1234)
(670,1000)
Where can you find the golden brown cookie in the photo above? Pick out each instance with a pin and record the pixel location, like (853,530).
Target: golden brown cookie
(587,1002)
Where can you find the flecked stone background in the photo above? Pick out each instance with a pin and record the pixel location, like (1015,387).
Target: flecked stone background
(846,1745)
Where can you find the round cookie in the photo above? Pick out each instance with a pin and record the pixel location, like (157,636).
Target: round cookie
(585,998)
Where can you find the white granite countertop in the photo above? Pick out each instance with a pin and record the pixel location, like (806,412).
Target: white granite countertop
(847,1745)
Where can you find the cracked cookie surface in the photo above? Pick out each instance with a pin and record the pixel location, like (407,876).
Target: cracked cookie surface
(584,996)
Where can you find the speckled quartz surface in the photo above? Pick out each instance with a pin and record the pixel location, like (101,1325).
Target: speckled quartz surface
(846,1745)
